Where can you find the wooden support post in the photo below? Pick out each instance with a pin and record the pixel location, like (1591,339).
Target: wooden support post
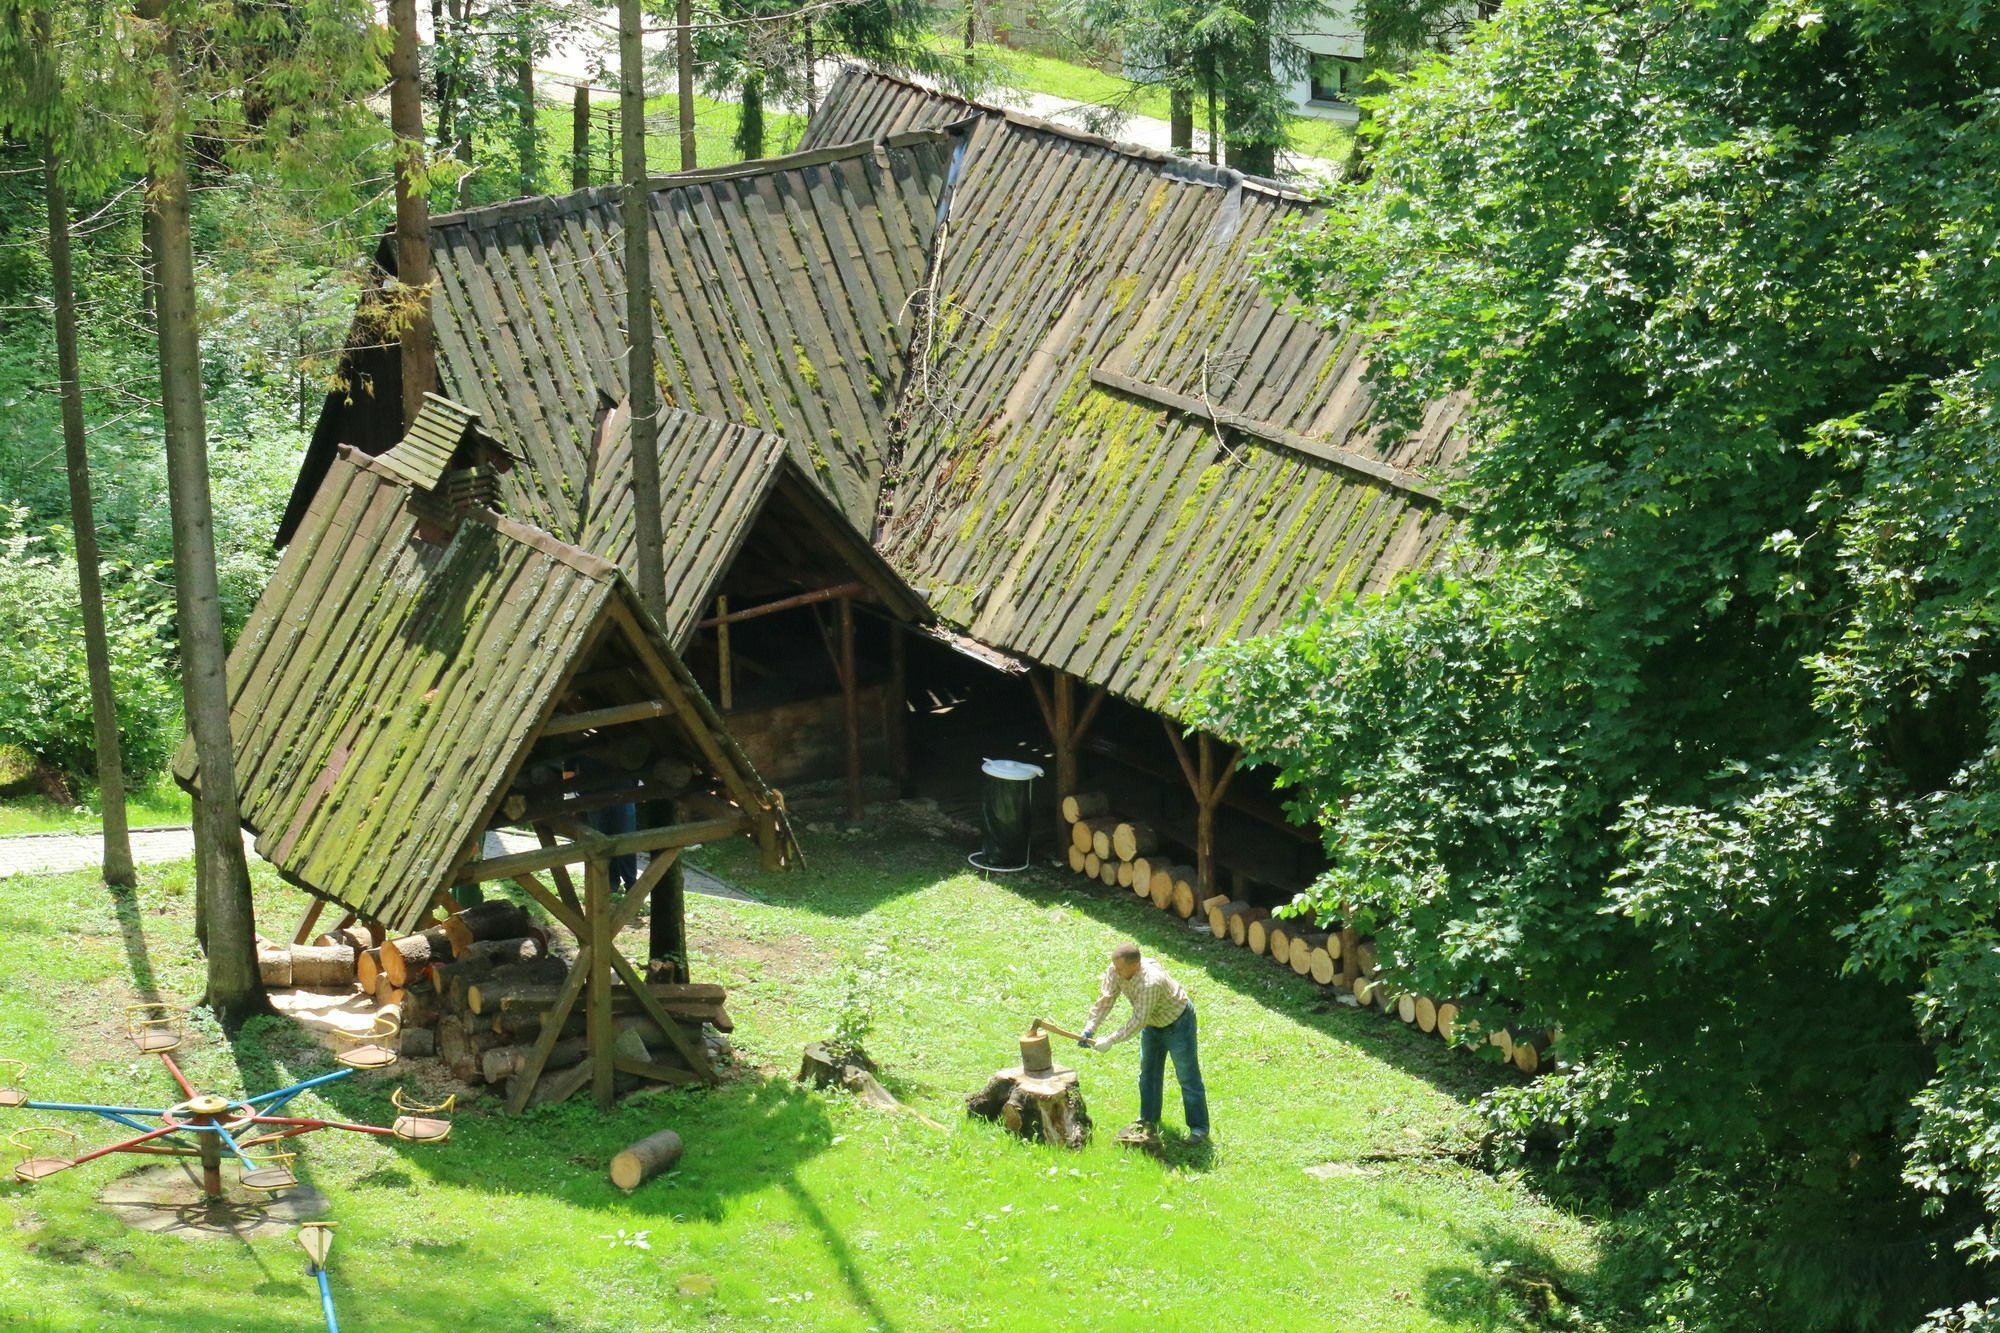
(305,932)
(579,139)
(1209,786)
(725,683)
(899,705)
(1067,727)
(850,705)
(666,927)
(597,915)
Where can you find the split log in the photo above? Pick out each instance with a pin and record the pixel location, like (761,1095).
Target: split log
(368,968)
(502,1062)
(1092,865)
(1239,923)
(645,1159)
(385,994)
(1320,963)
(1126,877)
(1217,909)
(1257,933)
(1183,899)
(1304,947)
(1107,873)
(1427,1014)
(417,1043)
(404,959)
(824,1067)
(1046,1109)
(462,1048)
(1083,836)
(1131,838)
(495,920)
(274,968)
(1075,859)
(322,965)
(1085,805)
(501,953)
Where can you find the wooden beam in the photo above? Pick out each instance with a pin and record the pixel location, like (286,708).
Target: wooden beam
(1181,753)
(598,1030)
(725,678)
(840,591)
(560,874)
(569,853)
(568,915)
(850,707)
(899,707)
(305,931)
(649,1003)
(1361,464)
(545,1041)
(567,723)
(659,1073)
(1046,704)
(1089,714)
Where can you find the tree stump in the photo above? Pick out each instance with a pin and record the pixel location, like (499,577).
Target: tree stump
(1042,1108)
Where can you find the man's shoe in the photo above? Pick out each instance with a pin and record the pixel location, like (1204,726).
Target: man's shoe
(1197,1137)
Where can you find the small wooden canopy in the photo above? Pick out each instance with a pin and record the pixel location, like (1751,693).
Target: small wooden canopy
(393,698)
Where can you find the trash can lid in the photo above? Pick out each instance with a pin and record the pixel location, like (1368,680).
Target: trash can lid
(1010,768)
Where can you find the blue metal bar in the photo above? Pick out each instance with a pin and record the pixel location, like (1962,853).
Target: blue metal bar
(286,1094)
(326,1301)
(230,1143)
(93,1107)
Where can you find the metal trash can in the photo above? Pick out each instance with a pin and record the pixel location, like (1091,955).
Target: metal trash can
(1006,807)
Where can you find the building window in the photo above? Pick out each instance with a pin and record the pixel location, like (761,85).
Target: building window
(1335,78)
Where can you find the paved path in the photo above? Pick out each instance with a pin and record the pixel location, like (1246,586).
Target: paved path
(62,853)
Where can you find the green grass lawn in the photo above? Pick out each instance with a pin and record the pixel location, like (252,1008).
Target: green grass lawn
(804,1210)
(159,802)
(1088,85)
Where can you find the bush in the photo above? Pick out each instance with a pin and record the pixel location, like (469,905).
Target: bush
(44,676)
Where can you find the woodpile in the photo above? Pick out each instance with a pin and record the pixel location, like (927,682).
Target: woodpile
(1129,853)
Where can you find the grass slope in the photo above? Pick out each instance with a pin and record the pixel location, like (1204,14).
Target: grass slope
(797,1210)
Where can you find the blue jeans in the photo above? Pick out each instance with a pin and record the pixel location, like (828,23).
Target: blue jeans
(1155,1045)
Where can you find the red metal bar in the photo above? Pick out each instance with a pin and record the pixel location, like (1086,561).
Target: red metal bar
(126,1145)
(320,1124)
(179,1077)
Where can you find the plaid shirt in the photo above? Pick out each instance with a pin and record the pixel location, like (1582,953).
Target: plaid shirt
(1157,999)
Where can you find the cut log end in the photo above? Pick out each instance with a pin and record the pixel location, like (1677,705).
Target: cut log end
(645,1159)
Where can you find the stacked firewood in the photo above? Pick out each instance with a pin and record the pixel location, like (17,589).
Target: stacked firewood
(481,985)
(1125,853)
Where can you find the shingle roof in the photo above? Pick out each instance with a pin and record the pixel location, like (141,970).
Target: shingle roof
(425,453)
(386,689)
(783,288)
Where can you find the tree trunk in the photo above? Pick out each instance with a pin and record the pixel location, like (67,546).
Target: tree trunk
(413,212)
(1180,120)
(645,1159)
(527,139)
(83,523)
(461,143)
(1041,1110)
(750,127)
(222,879)
(684,78)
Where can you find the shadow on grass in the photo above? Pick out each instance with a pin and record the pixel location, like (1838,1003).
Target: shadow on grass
(1457,1073)
(132,933)
(1514,1285)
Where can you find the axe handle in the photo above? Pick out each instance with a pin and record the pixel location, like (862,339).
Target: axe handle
(1043,1025)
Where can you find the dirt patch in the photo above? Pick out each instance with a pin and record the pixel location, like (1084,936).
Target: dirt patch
(168,1201)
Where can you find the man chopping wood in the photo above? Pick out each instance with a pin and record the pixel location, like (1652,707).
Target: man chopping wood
(1164,1019)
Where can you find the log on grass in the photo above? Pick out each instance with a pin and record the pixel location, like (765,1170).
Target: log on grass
(1126,877)
(1257,933)
(645,1159)
(1447,1020)
(403,960)
(1075,859)
(1130,838)
(1216,909)
(495,920)
(1092,865)
(1240,922)
(1085,805)
(274,968)
(322,965)
(1406,1008)
(1182,899)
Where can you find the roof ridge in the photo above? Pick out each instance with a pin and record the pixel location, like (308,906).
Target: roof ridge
(1186,168)
(594,196)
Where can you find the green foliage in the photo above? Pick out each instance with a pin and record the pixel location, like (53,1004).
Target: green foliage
(44,683)
(1698,752)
